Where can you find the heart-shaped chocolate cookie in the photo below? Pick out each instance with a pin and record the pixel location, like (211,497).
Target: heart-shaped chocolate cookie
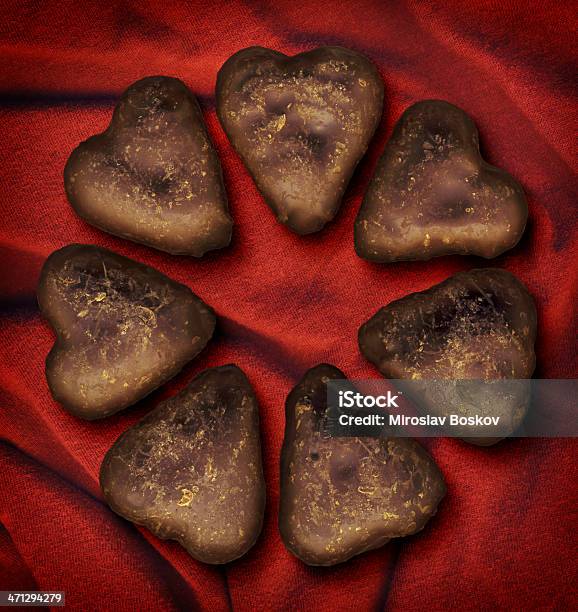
(342,496)
(122,329)
(191,470)
(432,193)
(477,326)
(153,175)
(301,124)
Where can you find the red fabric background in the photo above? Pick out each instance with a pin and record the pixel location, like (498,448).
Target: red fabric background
(505,536)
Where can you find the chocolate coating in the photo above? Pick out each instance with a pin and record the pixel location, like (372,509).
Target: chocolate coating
(122,329)
(475,325)
(191,470)
(300,124)
(343,496)
(432,193)
(153,175)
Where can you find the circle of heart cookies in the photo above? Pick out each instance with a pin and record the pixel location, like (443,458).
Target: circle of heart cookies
(191,470)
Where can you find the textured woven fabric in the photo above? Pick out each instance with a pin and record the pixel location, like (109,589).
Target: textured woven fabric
(505,535)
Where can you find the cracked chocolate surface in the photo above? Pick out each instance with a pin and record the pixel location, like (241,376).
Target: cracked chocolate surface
(153,176)
(122,329)
(477,325)
(191,470)
(343,496)
(432,194)
(300,124)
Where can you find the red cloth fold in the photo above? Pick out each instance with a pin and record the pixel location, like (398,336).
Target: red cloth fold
(505,536)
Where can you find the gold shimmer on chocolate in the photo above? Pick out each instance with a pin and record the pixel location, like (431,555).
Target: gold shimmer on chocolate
(300,124)
(342,496)
(122,329)
(191,470)
(477,325)
(432,193)
(153,176)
